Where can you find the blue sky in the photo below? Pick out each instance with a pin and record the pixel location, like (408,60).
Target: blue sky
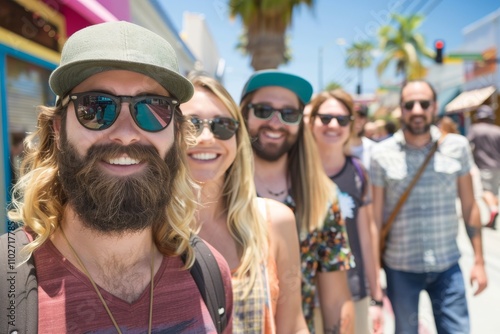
(329,22)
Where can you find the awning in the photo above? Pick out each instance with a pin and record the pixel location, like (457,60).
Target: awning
(91,10)
(470,100)
(445,97)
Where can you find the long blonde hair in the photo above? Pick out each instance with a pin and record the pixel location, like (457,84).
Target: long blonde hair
(311,189)
(38,199)
(245,223)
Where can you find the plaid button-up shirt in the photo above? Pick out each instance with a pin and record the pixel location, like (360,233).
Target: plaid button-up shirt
(423,236)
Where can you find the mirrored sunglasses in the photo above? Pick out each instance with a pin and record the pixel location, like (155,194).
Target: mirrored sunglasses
(98,111)
(223,128)
(343,120)
(424,104)
(287,116)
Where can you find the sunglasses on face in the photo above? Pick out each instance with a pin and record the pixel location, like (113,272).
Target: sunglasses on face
(288,116)
(223,128)
(343,120)
(98,111)
(424,104)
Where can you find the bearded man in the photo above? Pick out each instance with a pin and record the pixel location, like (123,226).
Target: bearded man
(288,169)
(104,196)
(421,249)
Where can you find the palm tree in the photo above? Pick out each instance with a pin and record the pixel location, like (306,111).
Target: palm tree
(359,55)
(265,23)
(333,85)
(405,46)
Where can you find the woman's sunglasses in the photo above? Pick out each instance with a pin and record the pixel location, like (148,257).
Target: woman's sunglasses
(288,116)
(223,128)
(98,111)
(343,120)
(424,104)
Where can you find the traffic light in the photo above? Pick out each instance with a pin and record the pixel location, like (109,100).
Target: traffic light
(439,46)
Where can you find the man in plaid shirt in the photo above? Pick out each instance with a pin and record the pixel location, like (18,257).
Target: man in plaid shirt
(421,252)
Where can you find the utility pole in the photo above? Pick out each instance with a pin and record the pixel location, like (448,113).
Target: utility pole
(320,68)
(360,78)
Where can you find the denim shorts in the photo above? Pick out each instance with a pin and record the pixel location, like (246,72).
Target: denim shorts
(447,294)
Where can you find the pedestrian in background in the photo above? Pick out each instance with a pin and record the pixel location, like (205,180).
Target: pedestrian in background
(105,199)
(422,251)
(359,145)
(484,136)
(256,236)
(447,125)
(380,130)
(369,130)
(331,122)
(288,169)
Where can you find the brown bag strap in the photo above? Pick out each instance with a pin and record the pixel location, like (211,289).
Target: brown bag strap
(387,226)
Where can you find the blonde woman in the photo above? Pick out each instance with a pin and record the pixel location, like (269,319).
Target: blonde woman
(257,237)
(331,122)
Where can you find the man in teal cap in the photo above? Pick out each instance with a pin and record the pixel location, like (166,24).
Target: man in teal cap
(288,169)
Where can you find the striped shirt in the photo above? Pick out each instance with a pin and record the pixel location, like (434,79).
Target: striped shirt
(423,236)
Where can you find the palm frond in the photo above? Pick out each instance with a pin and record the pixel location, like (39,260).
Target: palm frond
(404,45)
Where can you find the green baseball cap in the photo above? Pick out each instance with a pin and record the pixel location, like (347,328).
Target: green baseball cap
(118,46)
(265,78)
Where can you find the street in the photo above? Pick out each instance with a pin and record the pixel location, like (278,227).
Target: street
(484,309)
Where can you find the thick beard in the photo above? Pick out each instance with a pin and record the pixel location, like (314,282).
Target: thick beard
(118,204)
(271,152)
(414,131)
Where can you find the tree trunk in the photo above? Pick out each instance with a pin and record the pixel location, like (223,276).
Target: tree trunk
(267,49)
(266,43)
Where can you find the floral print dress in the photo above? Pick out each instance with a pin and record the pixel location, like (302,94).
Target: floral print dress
(325,249)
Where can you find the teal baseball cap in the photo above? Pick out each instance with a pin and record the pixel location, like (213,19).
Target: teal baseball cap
(118,46)
(266,78)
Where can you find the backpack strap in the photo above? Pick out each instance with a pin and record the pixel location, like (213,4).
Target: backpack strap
(206,274)
(18,286)
(361,173)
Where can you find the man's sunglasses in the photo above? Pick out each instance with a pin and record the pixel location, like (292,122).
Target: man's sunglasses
(288,116)
(424,104)
(343,120)
(98,111)
(223,128)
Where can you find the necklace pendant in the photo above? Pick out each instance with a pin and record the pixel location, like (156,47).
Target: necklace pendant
(276,194)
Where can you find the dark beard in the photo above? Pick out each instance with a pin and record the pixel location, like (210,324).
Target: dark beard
(271,152)
(416,131)
(107,203)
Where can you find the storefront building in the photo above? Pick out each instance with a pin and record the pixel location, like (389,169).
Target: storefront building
(481,78)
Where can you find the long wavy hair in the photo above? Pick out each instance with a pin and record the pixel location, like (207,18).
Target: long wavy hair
(38,199)
(311,189)
(245,223)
